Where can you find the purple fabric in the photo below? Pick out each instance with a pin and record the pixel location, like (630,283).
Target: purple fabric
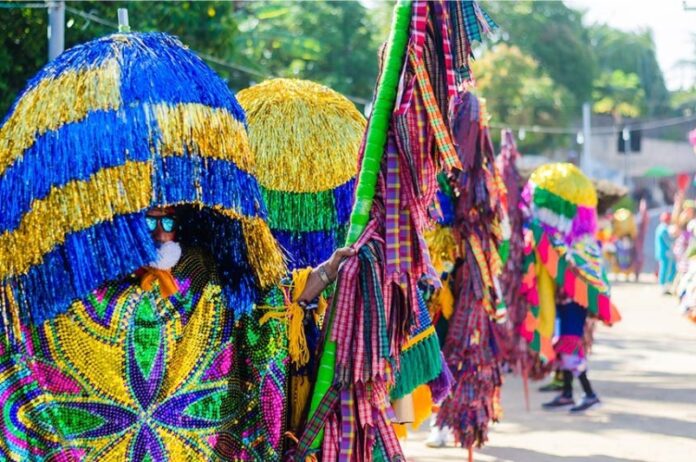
(585,222)
(441,386)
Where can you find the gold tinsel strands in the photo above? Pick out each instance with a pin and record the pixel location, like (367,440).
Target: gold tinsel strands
(54,102)
(209,132)
(566,181)
(114,191)
(74,207)
(263,253)
(301,135)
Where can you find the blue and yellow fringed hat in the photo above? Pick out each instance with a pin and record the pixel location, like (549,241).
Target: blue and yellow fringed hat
(104,132)
(305,140)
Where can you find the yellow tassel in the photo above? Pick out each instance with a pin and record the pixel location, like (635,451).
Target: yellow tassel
(400,430)
(442,246)
(443,301)
(293,315)
(297,341)
(422,405)
(566,181)
(300,389)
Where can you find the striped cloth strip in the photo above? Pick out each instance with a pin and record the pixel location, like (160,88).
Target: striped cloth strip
(440,130)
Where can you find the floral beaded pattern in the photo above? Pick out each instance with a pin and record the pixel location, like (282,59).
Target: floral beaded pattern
(128,375)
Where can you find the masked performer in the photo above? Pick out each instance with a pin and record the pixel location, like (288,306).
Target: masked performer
(134,261)
(565,276)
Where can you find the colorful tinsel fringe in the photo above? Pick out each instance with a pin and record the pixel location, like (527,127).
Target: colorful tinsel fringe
(305,140)
(92,143)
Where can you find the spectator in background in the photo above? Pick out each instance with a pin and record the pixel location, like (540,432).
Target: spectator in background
(664,254)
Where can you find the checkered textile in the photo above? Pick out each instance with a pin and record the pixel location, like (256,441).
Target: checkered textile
(461,46)
(316,424)
(347,426)
(443,139)
(471,24)
(442,12)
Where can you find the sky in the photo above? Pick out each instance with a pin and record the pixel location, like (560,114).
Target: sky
(672,28)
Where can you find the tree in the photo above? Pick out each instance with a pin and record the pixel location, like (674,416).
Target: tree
(519,92)
(619,94)
(632,53)
(22,52)
(554,35)
(334,43)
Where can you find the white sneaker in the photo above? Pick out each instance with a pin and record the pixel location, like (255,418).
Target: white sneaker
(438,436)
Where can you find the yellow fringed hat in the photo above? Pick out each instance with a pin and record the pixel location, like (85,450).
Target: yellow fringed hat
(304,139)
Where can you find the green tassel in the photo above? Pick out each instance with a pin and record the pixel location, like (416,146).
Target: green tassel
(504,251)
(560,276)
(420,364)
(592,299)
(304,212)
(558,205)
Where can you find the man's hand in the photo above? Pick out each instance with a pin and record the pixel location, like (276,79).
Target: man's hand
(316,283)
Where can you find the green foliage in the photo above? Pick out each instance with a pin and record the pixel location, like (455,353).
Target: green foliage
(21,54)
(553,34)
(329,42)
(519,92)
(334,43)
(619,94)
(632,53)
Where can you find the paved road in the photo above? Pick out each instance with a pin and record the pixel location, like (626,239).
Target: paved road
(644,369)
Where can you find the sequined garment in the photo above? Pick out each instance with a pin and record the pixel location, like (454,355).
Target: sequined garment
(126,375)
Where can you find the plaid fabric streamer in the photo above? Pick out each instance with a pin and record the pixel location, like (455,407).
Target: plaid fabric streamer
(440,130)
(376,294)
(393,209)
(316,425)
(442,12)
(471,24)
(461,47)
(347,426)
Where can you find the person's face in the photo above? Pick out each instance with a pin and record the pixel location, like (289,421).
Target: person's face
(162,225)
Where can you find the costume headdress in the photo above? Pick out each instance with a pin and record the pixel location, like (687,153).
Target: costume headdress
(107,130)
(562,251)
(305,140)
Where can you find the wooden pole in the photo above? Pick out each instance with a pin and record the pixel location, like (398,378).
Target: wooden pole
(525,383)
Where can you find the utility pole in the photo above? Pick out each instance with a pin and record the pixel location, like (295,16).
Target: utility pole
(56,28)
(586,162)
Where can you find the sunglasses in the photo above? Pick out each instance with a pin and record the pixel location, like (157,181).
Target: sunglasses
(166,222)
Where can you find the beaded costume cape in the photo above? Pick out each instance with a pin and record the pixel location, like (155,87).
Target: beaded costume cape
(93,366)
(126,374)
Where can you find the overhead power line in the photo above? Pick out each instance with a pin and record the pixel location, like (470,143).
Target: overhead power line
(647,125)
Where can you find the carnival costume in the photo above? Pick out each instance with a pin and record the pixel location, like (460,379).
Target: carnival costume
(304,140)
(98,361)
(375,307)
(565,277)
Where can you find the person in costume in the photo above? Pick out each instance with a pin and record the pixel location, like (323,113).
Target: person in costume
(136,265)
(305,159)
(467,325)
(664,253)
(564,277)
(572,322)
(623,249)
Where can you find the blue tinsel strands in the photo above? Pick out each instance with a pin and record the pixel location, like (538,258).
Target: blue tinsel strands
(104,132)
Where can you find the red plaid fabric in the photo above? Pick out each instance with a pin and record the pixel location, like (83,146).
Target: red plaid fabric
(443,14)
(443,140)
